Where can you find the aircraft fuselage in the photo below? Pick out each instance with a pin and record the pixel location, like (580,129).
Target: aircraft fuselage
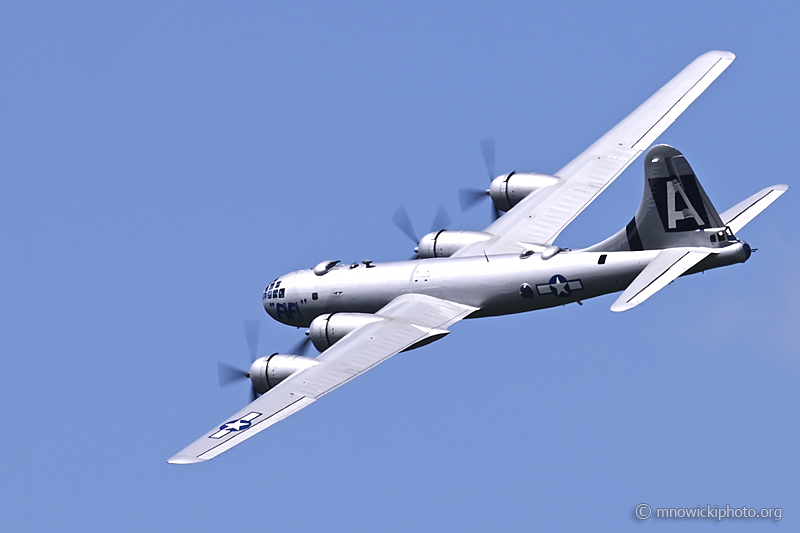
(497,285)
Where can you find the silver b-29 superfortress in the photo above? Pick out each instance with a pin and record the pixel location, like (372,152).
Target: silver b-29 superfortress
(361,314)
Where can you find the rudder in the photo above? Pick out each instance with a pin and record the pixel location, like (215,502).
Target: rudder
(673,208)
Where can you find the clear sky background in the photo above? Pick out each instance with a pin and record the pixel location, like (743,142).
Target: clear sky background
(161,162)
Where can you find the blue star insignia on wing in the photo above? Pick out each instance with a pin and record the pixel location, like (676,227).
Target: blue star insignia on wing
(235,425)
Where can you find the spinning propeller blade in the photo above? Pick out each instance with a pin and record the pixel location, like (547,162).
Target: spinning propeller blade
(441,220)
(403,221)
(301,348)
(487,149)
(470,197)
(251,329)
(228,375)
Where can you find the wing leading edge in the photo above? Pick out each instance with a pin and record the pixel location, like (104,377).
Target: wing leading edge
(539,218)
(667,266)
(408,321)
(739,215)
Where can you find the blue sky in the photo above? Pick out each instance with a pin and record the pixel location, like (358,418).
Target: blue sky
(162,162)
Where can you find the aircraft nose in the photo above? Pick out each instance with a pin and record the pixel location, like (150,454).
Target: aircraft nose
(265,299)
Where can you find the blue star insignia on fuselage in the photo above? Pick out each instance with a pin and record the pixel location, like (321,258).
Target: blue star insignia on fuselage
(560,286)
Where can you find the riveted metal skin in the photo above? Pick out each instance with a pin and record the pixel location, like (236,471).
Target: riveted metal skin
(490,284)
(506,191)
(327,329)
(445,243)
(266,372)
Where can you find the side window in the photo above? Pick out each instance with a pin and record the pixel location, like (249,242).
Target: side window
(526,291)
(314,296)
(280,293)
(713,238)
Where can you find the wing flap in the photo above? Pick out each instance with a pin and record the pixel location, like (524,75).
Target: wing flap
(262,413)
(683,94)
(538,219)
(667,266)
(409,320)
(425,310)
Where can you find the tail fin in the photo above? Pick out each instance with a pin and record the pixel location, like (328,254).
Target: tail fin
(677,217)
(675,210)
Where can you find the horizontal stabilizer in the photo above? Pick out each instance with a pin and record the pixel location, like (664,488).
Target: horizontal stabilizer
(666,267)
(739,215)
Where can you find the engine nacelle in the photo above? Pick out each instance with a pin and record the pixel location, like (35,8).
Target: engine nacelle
(268,371)
(327,329)
(507,191)
(445,243)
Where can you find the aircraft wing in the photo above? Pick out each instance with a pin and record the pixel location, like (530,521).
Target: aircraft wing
(409,321)
(540,217)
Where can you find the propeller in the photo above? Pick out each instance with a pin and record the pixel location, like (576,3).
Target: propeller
(488,151)
(301,348)
(403,221)
(470,197)
(441,220)
(251,330)
(228,374)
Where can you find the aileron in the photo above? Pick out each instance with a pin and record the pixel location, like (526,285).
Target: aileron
(540,218)
(361,314)
(409,320)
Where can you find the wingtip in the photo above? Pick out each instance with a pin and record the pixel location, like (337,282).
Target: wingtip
(621,305)
(184,460)
(721,54)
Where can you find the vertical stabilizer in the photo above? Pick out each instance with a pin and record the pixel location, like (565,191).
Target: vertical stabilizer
(675,210)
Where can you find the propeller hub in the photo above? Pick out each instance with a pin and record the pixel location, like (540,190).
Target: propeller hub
(259,372)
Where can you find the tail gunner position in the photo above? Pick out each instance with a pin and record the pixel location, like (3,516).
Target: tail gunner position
(361,314)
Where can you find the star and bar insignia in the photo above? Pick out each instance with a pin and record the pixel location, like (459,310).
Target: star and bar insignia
(560,286)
